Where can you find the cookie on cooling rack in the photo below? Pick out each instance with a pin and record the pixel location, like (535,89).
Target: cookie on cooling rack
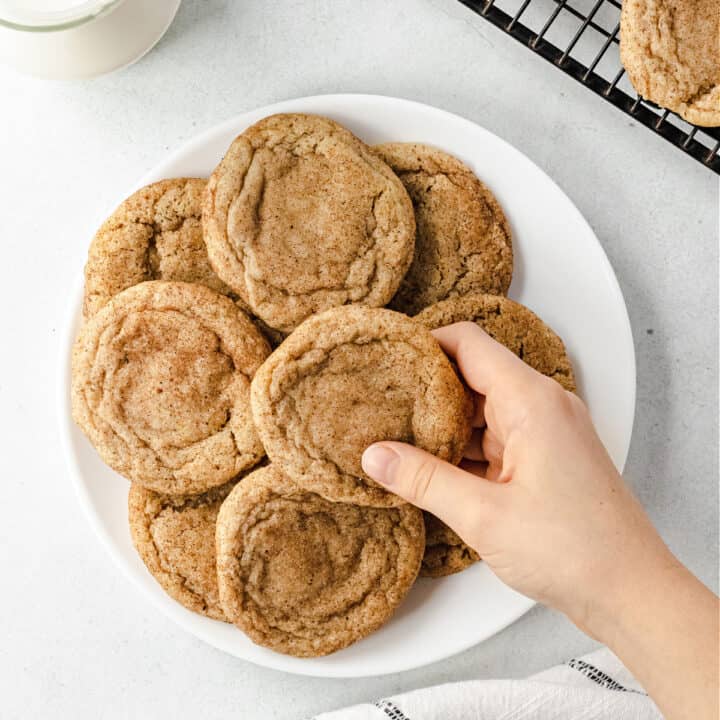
(671,51)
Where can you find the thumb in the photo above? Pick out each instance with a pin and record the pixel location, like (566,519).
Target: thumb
(458,498)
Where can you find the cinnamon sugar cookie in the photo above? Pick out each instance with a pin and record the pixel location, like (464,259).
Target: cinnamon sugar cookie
(518,328)
(345,379)
(161,386)
(671,51)
(301,216)
(175,538)
(463,240)
(156,234)
(305,576)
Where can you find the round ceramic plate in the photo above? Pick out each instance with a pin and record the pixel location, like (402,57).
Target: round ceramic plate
(561,272)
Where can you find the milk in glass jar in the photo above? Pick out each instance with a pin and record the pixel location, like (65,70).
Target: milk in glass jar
(72,39)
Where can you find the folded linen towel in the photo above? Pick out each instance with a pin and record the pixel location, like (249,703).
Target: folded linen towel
(593,687)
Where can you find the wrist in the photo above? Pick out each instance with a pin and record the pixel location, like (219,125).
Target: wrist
(663,626)
(622,599)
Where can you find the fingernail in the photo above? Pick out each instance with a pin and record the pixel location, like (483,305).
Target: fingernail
(380,463)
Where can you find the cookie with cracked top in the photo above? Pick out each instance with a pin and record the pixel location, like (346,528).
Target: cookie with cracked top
(445,552)
(463,241)
(175,538)
(306,576)
(518,328)
(523,332)
(161,386)
(671,51)
(347,378)
(155,234)
(301,216)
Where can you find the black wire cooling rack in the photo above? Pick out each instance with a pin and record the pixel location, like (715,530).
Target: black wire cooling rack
(582,38)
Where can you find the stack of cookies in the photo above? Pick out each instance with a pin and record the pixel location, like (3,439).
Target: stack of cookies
(248,502)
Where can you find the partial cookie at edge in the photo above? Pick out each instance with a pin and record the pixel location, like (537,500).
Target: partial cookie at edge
(671,51)
(155,234)
(175,538)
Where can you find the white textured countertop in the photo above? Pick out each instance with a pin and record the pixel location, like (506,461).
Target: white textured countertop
(77,639)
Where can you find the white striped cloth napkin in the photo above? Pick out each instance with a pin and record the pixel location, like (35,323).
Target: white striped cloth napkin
(594,687)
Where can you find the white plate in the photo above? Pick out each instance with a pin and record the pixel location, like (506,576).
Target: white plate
(561,272)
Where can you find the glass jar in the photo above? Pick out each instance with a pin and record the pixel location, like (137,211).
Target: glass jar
(72,39)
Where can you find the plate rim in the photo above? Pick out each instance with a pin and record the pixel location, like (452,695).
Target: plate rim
(71,324)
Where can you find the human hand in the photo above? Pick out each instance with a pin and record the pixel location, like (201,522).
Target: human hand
(537,495)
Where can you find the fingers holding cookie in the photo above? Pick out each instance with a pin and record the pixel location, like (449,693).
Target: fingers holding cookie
(350,377)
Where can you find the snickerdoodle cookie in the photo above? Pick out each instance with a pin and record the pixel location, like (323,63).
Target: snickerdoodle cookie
(306,576)
(175,538)
(512,324)
(301,216)
(445,552)
(463,241)
(161,386)
(671,51)
(523,332)
(156,234)
(349,377)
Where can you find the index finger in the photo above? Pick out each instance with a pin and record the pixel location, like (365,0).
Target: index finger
(485,364)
